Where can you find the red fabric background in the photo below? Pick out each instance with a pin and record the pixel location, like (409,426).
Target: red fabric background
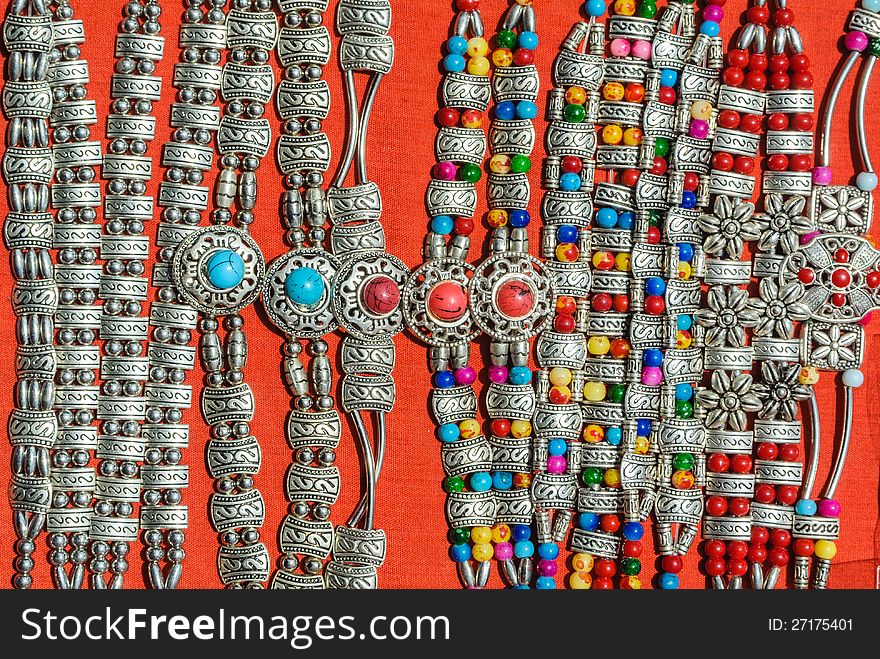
(410,502)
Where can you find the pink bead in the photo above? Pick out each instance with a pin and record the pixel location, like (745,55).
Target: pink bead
(466,375)
(652,376)
(546,568)
(620,47)
(699,129)
(822,175)
(642,49)
(807,237)
(556,464)
(503,551)
(498,374)
(445,171)
(829,508)
(713,13)
(856,40)
(866,319)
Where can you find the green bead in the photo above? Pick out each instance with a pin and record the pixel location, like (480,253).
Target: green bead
(684,409)
(507,38)
(631,566)
(683,461)
(648,9)
(661,147)
(874,47)
(592,476)
(470,172)
(574,113)
(453,484)
(616,393)
(461,536)
(520,164)
(654,218)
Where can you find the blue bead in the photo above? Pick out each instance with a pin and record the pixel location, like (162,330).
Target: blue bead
(506,110)
(871,5)
(481,481)
(526,110)
(528,40)
(545,583)
(557,447)
(806,507)
(683,391)
(520,217)
(444,379)
(606,218)
(626,221)
(588,521)
(570,182)
(643,427)
(548,551)
(442,224)
(448,432)
(633,531)
(685,251)
(522,532)
(457,45)
(502,480)
(596,7)
(710,28)
(519,375)
(461,553)
(655,286)
(524,549)
(226,270)
(688,199)
(566,233)
(668,77)
(521,586)
(669,581)
(453,63)
(866,181)
(652,357)
(684,322)
(614,436)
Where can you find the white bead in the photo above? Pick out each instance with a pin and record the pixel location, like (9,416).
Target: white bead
(853,378)
(866,181)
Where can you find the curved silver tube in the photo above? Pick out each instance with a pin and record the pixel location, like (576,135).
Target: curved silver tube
(833,97)
(845,437)
(860,100)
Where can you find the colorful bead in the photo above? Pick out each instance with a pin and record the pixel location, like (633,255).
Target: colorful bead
(303,285)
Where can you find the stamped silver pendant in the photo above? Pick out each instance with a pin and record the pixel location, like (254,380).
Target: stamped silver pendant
(219,270)
(366,296)
(435,302)
(296,293)
(511,296)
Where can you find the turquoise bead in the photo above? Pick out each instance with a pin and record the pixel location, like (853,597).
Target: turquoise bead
(871,5)
(806,507)
(304,286)
(225,269)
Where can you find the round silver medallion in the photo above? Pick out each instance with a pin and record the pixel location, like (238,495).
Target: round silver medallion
(511,296)
(366,295)
(435,302)
(296,295)
(218,270)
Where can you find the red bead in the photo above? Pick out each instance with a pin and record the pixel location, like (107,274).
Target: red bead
(565,304)
(780,81)
(672,564)
(722,161)
(759,15)
(728,119)
(572,164)
(757,554)
(601,302)
(559,396)
(838,300)
(783,16)
(767,451)
(803,547)
(447,116)
(564,324)
(802,122)
(667,95)
(609,523)
(630,177)
(873,279)
(780,538)
(500,427)
(750,123)
(756,81)
(659,167)
(621,303)
(800,62)
(737,567)
(655,305)
(467,5)
(779,63)
(716,506)
(778,121)
(778,162)
(777,556)
(733,76)
(719,463)
(786,494)
(743,165)
(632,548)
(715,567)
(789,452)
(738,57)
(802,80)
(760,535)
(603,583)
(841,256)
(801,162)
(464,226)
(523,56)
(715,548)
(765,493)
(691,181)
(841,278)
(738,506)
(737,549)
(741,463)
(604,568)
(806,276)
(758,62)
(653,235)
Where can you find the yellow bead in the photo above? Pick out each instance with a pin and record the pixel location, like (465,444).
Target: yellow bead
(808,375)
(632,136)
(594,391)
(683,340)
(613,91)
(625,7)
(525,3)
(612,134)
(622,261)
(477,46)
(701,110)
(594,433)
(502,57)
(560,376)
(478,66)
(469,428)
(576,95)
(631,583)
(684,270)
(611,478)
(825,549)
(598,345)
(500,533)
(583,562)
(500,163)
(481,534)
(483,552)
(520,429)
(580,581)
(642,445)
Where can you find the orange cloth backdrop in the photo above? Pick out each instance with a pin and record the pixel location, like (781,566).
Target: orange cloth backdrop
(401,154)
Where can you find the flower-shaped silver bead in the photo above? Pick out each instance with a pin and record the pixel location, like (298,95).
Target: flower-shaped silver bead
(728,400)
(777,308)
(727,316)
(783,223)
(834,344)
(728,227)
(842,209)
(781,391)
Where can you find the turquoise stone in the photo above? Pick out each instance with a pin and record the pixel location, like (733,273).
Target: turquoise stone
(304,286)
(225,269)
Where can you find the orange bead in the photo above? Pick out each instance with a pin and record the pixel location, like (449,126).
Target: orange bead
(576,95)
(497,218)
(502,57)
(620,348)
(613,91)
(612,134)
(522,480)
(593,433)
(683,479)
(635,93)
